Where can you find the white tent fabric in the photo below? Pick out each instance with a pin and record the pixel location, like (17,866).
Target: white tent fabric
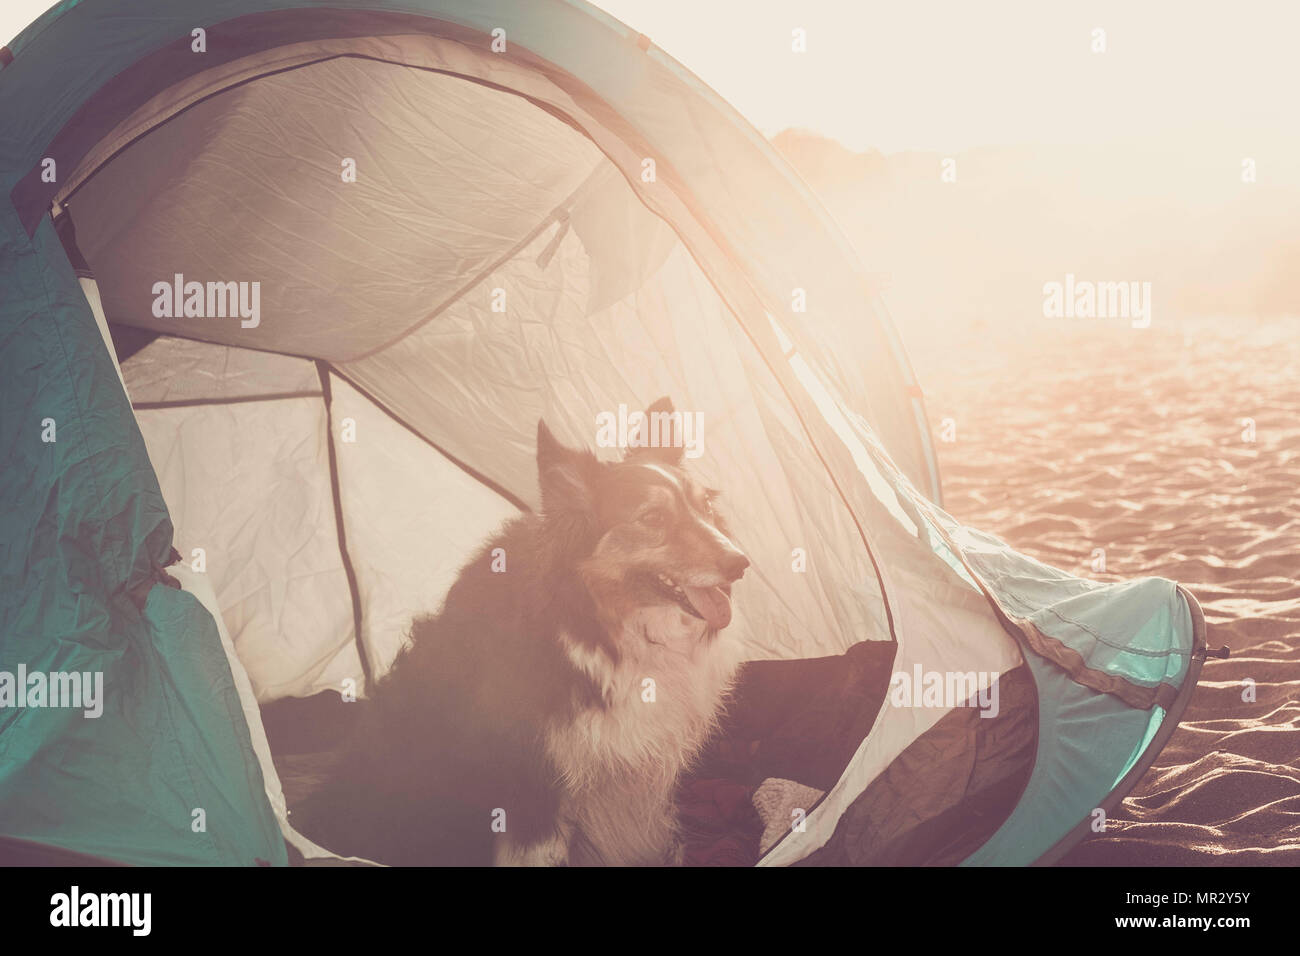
(784,246)
(603,307)
(248,486)
(406,558)
(201,587)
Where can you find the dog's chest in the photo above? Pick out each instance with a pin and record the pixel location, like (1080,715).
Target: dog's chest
(659,702)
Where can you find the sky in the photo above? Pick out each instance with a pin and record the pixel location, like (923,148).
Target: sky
(16,14)
(949,75)
(953,74)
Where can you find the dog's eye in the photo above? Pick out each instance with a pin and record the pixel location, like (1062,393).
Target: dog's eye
(654,518)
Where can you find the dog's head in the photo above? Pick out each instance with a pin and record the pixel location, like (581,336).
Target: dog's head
(653,536)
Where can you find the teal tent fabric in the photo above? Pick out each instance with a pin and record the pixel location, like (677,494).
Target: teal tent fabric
(1091,746)
(1108,645)
(83,522)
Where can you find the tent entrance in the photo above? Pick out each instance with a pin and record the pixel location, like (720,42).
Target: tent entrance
(331,461)
(487,267)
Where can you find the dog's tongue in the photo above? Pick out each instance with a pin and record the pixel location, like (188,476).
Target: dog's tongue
(713,604)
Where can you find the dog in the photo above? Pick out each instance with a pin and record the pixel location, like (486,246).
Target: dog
(546,714)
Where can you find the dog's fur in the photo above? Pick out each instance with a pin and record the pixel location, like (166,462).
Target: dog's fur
(562,697)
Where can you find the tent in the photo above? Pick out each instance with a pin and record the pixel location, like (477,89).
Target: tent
(286,288)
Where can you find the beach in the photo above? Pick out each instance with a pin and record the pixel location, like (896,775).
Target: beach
(1174,449)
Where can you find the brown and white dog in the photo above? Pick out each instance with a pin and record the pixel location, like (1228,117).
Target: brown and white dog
(545,715)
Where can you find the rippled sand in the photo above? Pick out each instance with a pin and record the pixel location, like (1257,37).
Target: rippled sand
(1077,435)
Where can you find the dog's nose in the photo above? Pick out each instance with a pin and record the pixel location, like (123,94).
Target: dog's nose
(733,566)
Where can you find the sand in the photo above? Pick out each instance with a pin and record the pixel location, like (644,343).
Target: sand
(1073,435)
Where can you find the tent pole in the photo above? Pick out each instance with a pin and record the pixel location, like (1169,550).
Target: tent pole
(323,370)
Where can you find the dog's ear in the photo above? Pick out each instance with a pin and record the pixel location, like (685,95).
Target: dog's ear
(661,420)
(567,476)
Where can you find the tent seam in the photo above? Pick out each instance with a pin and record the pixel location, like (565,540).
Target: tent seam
(232,400)
(527,240)
(1020,600)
